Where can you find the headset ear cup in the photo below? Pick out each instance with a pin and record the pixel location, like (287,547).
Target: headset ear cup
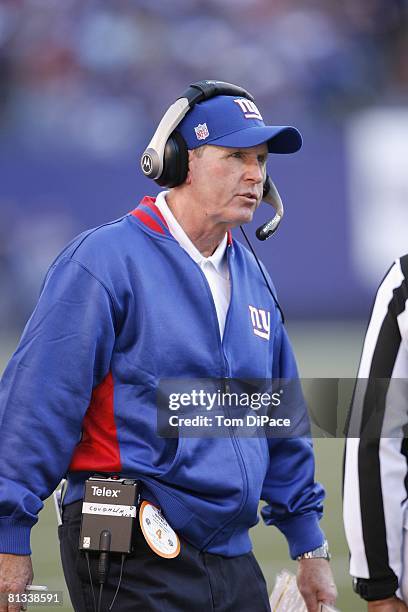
(175,162)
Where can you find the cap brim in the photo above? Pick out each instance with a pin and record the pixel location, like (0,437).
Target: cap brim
(279,138)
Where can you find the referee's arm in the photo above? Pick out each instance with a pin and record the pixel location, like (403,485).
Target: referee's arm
(375,467)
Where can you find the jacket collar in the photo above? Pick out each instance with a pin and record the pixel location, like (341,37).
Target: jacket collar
(150,216)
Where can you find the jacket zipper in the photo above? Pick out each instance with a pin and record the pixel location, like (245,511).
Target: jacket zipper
(227,373)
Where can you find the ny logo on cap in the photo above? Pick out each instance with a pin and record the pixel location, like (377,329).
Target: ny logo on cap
(249,108)
(201,131)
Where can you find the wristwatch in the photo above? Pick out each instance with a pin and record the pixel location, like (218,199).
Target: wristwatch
(322,552)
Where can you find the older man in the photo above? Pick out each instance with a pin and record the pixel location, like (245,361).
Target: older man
(163,293)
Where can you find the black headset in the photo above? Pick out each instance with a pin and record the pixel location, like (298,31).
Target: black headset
(165,159)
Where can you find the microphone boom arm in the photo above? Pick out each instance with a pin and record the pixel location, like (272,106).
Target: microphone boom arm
(271,196)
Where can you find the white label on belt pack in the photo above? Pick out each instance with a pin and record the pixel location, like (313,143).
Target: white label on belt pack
(161,538)
(108,509)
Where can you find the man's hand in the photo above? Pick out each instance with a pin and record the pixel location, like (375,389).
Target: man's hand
(392,604)
(16,571)
(316,583)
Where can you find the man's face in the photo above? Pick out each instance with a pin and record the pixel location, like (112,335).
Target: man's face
(228,182)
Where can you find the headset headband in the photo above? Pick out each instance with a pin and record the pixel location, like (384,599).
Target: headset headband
(153,157)
(203,90)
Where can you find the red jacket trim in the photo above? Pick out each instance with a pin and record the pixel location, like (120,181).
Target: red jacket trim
(98,449)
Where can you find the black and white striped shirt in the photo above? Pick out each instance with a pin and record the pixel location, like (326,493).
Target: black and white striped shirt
(375,468)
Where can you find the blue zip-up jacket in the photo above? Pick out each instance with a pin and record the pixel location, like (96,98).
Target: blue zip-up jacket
(122,307)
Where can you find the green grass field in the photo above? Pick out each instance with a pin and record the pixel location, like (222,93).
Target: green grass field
(323,350)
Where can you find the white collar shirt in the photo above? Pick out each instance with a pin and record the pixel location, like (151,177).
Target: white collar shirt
(215,267)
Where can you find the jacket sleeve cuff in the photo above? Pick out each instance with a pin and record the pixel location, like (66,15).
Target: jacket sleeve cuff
(302,533)
(14,537)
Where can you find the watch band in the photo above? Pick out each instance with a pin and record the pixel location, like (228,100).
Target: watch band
(321,552)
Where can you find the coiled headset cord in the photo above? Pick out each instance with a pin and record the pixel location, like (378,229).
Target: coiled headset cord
(97,607)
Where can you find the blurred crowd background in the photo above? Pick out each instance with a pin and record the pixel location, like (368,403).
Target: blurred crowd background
(83,85)
(96,76)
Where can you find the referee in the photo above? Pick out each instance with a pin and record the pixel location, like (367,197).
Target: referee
(376,474)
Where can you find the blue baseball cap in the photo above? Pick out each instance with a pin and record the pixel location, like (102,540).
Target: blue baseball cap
(229,121)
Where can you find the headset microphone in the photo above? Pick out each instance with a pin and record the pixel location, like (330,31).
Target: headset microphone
(270,196)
